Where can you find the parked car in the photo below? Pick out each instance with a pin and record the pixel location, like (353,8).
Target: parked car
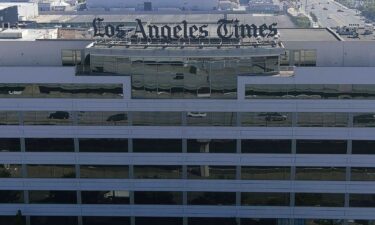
(117,117)
(61,115)
(273,116)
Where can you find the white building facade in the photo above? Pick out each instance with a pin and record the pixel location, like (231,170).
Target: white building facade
(221,133)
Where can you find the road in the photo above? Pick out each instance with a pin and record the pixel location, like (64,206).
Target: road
(328,14)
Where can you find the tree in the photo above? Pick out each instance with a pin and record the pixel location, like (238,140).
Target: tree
(19,220)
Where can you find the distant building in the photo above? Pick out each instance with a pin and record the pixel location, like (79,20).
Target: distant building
(152,5)
(12,12)
(263,6)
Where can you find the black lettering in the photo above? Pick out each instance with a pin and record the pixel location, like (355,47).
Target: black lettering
(177,30)
(262,30)
(168,34)
(120,31)
(248,30)
(237,33)
(109,30)
(192,30)
(185,29)
(273,30)
(140,29)
(203,32)
(153,31)
(222,29)
(98,27)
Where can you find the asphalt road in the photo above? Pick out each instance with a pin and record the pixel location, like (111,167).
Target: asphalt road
(328,14)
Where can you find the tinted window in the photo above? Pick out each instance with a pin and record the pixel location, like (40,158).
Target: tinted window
(265,199)
(160,197)
(266,146)
(10,144)
(211,146)
(8,118)
(211,172)
(11,196)
(322,119)
(49,145)
(211,198)
(102,118)
(100,172)
(156,118)
(53,197)
(363,147)
(47,118)
(362,200)
(51,171)
(265,173)
(53,220)
(10,171)
(320,199)
(321,147)
(157,145)
(157,172)
(212,221)
(95,220)
(158,220)
(266,119)
(211,118)
(105,197)
(103,145)
(362,174)
(321,173)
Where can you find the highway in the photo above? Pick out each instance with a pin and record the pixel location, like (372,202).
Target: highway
(332,14)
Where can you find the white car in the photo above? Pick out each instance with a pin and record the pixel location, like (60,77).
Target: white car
(196,114)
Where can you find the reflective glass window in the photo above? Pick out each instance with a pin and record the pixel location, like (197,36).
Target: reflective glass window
(321,173)
(103,145)
(256,221)
(47,118)
(318,222)
(49,144)
(53,220)
(266,146)
(265,199)
(363,91)
(211,198)
(15,91)
(158,197)
(11,196)
(322,119)
(362,200)
(105,220)
(211,146)
(156,118)
(157,145)
(90,118)
(157,172)
(105,197)
(321,146)
(104,172)
(362,174)
(10,171)
(51,171)
(211,172)
(319,199)
(363,147)
(364,120)
(8,118)
(53,197)
(266,119)
(158,220)
(211,118)
(10,220)
(361,222)
(269,91)
(265,173)
(10,145)
(211,221)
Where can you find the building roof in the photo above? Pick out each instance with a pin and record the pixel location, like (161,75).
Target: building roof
(309,34)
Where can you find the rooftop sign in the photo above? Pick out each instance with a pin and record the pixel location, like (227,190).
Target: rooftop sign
(226,29)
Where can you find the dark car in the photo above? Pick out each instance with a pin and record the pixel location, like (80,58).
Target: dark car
(117,117)
(273,116)
(59,115)
(364,118)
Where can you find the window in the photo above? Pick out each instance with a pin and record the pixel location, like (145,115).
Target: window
(104,172)
(250,221)
(53,220)
(321,173)
(363,147)
(320,199)
(104,220)
(105,197)
(7,220)
(103,145)
(364,120)
(211,172)
(89,118)
(318,222)
(211,146)
(157,145)
(158,197)
(156,118)
(11,197)
(322,119)
(211,198)
(10,171)
(362,174)
(51,171)
(10,145)
(321,147)
(265,199)
(266,119)
(47,118)
(211,118)
(158,220)
(265,173)
(266,146)
(49,145)
(8,117)
(362,200)
(52,197)
(157,172)
(211,221)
